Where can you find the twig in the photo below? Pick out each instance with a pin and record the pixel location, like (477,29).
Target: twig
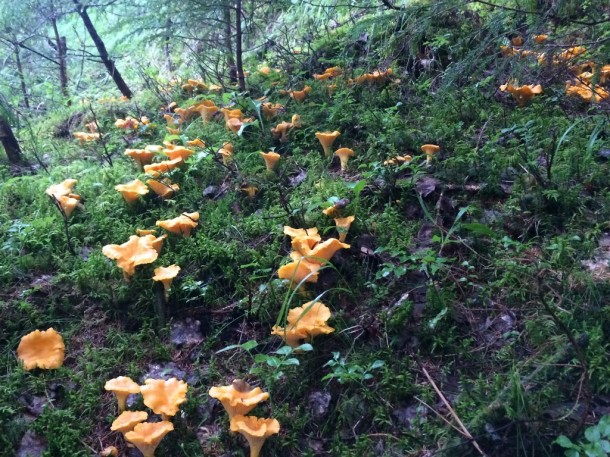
(464,430)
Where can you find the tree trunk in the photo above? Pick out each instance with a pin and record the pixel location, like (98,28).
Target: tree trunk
(24,89)
(60,43)
(238,51)
(101,48)
(229,46)
(10,143)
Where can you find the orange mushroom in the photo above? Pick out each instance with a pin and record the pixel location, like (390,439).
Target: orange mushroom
(122,387)
(296,233)
(255,430)
(178,152)
(307,321)
(249,190)
(327,139)
(141,156)
(207,109)
(234,124)
(136,251)
(270,109)
(299,95)
(430,150)
(319,254)
(344,154)
(343,224)
(522,94)
(197,142)
(44,350)
(155,169)
(164,397)
(166,275)
(147,436)
(298,271)
(163,188)
(181,225)
(271,160)
(63,197)
(239,398)
(128,420)
(132,190)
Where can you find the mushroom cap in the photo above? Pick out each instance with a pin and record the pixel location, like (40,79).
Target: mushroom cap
(166,275)
(295,233)
(132,190)
(234,124)
(164,397)
(178,152)
(61,189)
(154,148)
(319,253)
(141,156)
(147,436)
(249,190)
(345,222)
(128,420)
(181,225)
(254,428)
(68,203)
(430,149)
(155,169)
(229,147)
(239,398)
(292,335)
(164,188)
(41,349)
(271,159)
(327,138)
(232,113)
(310,319)
(344,152)
(197,142)
(123,385)
(155,242)
(297,270)
(136,251)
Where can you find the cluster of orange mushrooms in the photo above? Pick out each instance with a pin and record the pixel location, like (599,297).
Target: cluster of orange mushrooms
(588,77)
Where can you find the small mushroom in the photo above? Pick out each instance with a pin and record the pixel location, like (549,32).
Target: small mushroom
(430,150)
(271,160)
(207,109)
(166,275)
(255,430)
(343,224)
(178,152)
(155,169)
(164,397)
(147,436)
(132,190)
(234,124)
(327,139)
(41,349)
(249,190)
(128,420)
(319,254)
(197,142)
(122,387)
(239,398)
(62,196)
(344,154)
(522,94)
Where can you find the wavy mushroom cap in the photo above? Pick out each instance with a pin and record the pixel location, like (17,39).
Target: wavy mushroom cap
(164,397)
(327,139)
(136,251)
(163,188)
(181,225)
(197,142)
(249,190)
(226,155)
(155,242)
(299,270)
(239,398)
(311,319)
(141,156)
(299,95)
(293,336)
(296,233)
(132,190)
(68,203)
(229,147)
(178,152)
(147,436)
(234,124)
(271,160)
(63,188)
(207,110)
(325,250)
(430,149)
(166,276)
(270,109)
(343,225)
(155,169)
(129,123)
(128,420)
(232,113)
(255,430)
(41,349)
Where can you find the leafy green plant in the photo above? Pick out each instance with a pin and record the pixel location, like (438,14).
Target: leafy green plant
(597,442)
(347,373)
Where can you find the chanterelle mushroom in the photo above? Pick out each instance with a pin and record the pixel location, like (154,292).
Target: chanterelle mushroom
(239,398)
(255,430)
(128,420)
(147,436)
(164,397)
(43,350)
(122,387)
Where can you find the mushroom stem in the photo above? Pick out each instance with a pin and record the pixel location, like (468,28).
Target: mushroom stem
(255,447)
(165,417)
(122,401)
